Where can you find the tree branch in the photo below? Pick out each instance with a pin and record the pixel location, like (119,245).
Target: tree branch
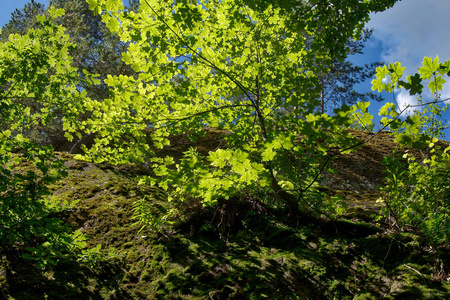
(212,65)
(367,140)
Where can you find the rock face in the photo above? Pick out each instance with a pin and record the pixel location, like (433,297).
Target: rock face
(361,170)
(200,258)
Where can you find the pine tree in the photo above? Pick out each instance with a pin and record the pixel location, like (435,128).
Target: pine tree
(97,51)
(22,19)
(339,83)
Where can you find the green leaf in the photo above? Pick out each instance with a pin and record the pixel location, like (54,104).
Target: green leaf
(414,84)
(388,110)
(363,106)
(403,139)
(268,154)
(7,133)
(429,66)
(396,71)
(377,83)
(436,84)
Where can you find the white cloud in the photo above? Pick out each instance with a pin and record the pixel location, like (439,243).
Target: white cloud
(404,99)
(445,93)
(412,30)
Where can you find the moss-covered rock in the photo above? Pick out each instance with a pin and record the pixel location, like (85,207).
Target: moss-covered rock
(241,249)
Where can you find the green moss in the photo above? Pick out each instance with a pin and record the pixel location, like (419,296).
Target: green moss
(265,257)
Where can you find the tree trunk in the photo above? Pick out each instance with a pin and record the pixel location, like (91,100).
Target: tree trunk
(322,100)
(290,199)
(85,140)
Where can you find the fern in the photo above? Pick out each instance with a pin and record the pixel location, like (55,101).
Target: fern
(142,211)
(148,213)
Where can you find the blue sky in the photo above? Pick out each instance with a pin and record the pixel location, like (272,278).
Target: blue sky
(406,33)
(8,6)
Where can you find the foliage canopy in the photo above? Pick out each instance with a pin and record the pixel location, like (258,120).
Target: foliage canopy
(192,58)
(235,66)
(94,50)
(35,67)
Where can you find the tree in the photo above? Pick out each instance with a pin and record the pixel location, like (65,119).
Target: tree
(418,194)
(338,85)
(22,19)
(220,48)
(35,66)
(337,82)
(97,51)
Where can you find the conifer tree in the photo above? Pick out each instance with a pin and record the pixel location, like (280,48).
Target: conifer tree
(97,51)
